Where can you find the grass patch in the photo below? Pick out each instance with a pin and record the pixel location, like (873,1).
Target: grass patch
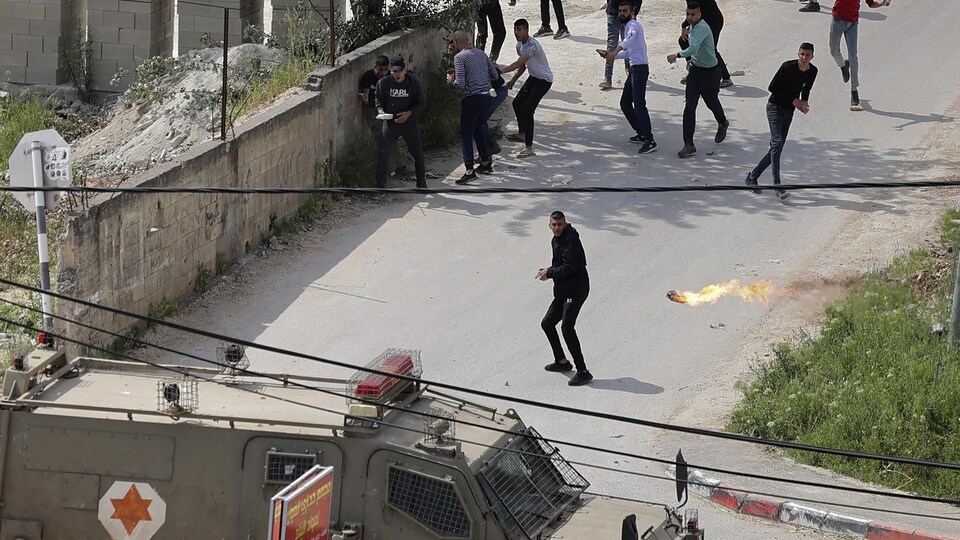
(876,380)
(291,73)
(19,116)
(203,279)
(440,123)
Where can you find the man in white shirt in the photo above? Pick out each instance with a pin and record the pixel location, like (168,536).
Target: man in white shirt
(633,100)
(532,59)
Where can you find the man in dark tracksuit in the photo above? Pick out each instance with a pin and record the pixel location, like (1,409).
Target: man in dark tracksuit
(402,96)
(571,286)
(490,9)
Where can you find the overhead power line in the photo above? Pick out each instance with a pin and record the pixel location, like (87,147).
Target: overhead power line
(491,189)
(187,373)
(533,403)
(601,450)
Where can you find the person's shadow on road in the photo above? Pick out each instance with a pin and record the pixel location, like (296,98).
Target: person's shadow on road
(625,384)
(911,119)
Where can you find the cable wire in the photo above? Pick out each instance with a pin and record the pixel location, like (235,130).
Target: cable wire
(600,450)
(490,395)
(688,482)
(493,189)
(597,449)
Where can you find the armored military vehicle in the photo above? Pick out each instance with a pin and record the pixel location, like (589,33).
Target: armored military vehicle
(93,448)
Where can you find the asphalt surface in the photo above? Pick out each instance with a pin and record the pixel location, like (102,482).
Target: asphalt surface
(453,275)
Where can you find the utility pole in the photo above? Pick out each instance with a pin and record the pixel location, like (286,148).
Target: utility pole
(955,312)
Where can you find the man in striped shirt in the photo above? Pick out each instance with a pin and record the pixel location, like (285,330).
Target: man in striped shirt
(473,72)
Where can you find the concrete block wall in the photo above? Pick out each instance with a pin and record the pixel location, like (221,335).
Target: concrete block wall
(123,33)
(132,251)
(319,13)
(30,38)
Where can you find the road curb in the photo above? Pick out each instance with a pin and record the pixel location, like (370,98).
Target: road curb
(799,515)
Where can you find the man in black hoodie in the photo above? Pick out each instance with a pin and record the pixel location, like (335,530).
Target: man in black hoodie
(571,286)
(400,97)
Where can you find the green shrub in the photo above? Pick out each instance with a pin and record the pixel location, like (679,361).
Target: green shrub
(876,380)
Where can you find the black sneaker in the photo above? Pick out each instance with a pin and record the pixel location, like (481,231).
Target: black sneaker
(581,378)
(638,139)
(543,31)
(783,195)
(722,132)
(845,71)
(467,178)
(812,7)
(484,169)
(855,101)
(562,33)
(648,146)
(751,181)
(687,151)
(558,367)
(422,184)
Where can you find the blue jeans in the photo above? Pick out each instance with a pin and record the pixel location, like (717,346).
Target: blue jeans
(633,101)
(779,118)
(495,104)
(614,37)
(849,32)
(472,111)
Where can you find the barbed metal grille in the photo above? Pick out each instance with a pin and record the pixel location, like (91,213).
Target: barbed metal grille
(529,490)
(284,467)
(431,502)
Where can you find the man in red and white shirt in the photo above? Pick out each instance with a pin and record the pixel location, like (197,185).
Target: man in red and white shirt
(846,22)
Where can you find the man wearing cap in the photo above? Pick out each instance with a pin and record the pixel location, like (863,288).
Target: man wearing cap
(402,97)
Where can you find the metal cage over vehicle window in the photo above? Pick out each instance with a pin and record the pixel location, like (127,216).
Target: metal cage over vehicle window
(432,502)
(529,485)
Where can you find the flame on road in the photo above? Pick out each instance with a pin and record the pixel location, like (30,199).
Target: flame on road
(760,290)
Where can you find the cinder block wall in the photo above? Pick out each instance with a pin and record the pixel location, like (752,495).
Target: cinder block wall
(133,250)
(123,33)
(319,13)
(30,35)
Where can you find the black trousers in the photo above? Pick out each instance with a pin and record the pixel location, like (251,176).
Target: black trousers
(410,131)
(495,14)
(557,9)
(701,83)
(565,310)
(526,102)
(715,27)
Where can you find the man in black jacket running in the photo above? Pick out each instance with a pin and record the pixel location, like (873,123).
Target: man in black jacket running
(571,286)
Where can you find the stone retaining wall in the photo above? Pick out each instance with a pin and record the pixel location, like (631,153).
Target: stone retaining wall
(134,251)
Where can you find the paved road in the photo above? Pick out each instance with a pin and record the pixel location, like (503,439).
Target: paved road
(454,275)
